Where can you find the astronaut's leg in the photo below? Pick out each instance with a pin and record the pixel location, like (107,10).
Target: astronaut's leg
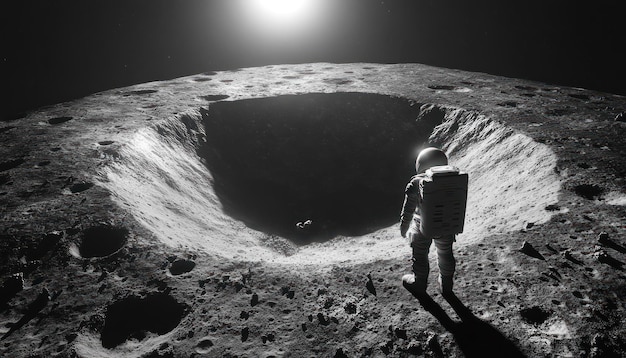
(446,263)
(420,246)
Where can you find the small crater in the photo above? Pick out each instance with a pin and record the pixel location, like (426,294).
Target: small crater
(214,97)
(559,112)
(6,129)
(511,104)
(526,88)
(43,163)
(291,77)
(202,79)
(102,241)
(58,120)
(442,87)
(588,191)
(583,165)
(180,267)
(584,97)
(10,164)
(209,73)
(141,92)
(133,317)
(338,81)
(552,207)
(226,81)
(535,315)
(80,186)
(106,142)
(527,94)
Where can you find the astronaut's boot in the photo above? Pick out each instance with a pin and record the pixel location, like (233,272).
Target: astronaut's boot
(415,284)
(445,285)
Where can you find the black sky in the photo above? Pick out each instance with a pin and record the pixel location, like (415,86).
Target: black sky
(54,51)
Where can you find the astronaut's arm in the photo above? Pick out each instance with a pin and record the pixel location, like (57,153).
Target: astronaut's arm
(411,196)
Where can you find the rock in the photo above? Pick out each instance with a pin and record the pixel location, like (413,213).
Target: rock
(603,238)
(529,250)
(605,258)
(370,285)
(433,343)
(620,117)
(322,320)
(414,348)
(340,354)
(568,256)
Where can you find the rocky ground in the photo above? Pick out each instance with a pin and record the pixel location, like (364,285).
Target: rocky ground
(83,275)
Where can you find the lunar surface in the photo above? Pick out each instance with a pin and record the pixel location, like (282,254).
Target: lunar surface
(254,213)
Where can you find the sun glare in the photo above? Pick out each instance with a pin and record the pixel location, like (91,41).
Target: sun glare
(266,26)
(282,10)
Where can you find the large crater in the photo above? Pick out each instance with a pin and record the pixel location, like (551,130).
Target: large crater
(311,167)
(319,178)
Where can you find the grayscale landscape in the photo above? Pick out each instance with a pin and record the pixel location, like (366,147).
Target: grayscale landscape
(254,213)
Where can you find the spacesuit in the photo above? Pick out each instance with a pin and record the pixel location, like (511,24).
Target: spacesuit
(420,244)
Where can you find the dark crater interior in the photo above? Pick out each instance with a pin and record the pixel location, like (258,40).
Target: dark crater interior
(311,167)
(133,317)
(102,240)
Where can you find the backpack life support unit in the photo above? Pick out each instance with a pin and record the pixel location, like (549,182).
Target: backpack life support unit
(443,196)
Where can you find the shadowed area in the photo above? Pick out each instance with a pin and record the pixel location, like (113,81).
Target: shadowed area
(475,337)
(132,317)
(339,160)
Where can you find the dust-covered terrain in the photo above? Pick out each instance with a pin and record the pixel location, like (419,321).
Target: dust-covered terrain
(255,213)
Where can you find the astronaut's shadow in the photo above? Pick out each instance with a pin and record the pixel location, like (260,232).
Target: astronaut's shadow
(475,337)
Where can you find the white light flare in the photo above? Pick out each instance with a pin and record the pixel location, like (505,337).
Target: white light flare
(282,10)
(276,21)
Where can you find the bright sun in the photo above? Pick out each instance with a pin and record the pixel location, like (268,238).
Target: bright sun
(282,10)
(288,24)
